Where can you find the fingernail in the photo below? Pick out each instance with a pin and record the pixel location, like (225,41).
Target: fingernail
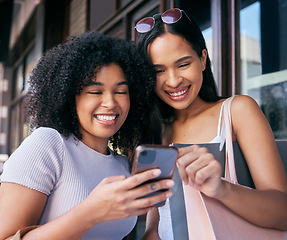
(170,183)
(156,172)
(168,195)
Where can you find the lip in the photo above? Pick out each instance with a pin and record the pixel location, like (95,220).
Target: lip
(106,119)
(178,94)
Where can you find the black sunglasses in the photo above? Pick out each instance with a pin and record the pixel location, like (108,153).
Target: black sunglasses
(169,17)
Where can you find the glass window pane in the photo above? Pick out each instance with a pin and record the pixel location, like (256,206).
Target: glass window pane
(264,59)
(14,132)
(30,64)
(250,43)
(19,81)
(207,34)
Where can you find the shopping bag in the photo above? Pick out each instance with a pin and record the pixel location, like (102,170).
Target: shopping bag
(206,218)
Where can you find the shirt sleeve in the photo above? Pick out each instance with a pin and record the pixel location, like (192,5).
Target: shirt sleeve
(37,162)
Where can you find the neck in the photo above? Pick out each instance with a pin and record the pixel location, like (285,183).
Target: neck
(195,108)
(99,145)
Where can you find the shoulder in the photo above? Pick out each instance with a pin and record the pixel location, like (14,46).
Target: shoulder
(246,114)
(244,108)
(46,132)
(42,144)
(37,162)
(45,137)
(243,102)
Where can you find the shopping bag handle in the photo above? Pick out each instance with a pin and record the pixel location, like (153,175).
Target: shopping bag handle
(230,172)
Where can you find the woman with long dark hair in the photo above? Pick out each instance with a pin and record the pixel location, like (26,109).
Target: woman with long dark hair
(190,112)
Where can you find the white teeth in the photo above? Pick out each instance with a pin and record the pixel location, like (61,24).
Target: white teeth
(178,93)
(106,117)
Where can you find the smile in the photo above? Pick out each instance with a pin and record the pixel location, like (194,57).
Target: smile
(178,92)
(106,117)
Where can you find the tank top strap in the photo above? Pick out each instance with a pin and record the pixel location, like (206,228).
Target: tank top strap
(220,120)
(221,131)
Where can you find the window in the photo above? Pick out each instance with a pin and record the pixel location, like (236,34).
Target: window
(19,124)
(264,59)
(19,81)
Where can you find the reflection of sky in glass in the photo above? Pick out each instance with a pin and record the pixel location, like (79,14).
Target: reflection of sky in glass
(250,21)
(207,33)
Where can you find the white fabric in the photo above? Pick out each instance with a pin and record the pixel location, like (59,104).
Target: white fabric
(220,137)
(165,225)
(66,170)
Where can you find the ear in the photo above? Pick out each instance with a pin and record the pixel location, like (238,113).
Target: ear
(203,59)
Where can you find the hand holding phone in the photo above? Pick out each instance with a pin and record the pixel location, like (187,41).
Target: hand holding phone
(155,156)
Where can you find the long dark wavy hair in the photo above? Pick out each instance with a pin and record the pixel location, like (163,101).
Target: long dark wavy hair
(187,28)
(63,71)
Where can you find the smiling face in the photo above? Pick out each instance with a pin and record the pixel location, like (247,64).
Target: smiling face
(103,107)
(179,70)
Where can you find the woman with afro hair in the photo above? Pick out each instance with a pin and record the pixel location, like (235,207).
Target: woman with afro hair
(86,93)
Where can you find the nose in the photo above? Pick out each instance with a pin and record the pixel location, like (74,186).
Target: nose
(173,79)
(108,101)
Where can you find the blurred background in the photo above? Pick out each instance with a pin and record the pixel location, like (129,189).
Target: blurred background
(246,39)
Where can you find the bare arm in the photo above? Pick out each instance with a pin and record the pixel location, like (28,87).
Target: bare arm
(19,207)
(152,221)
(267,205)
(114,198)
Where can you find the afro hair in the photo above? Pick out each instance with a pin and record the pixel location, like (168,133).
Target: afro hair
(61,73)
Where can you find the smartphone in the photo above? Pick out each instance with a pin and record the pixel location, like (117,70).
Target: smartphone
(155,156)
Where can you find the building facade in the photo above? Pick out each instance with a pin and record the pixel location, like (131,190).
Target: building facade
(246,39)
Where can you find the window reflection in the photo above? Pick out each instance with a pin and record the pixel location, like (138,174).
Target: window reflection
(263,69)
(207,34)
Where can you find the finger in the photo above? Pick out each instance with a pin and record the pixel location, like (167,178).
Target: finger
(208,172)
(140,178)
(193,150)
(149,188)
(184,150)
(187,157)
(113,179)
(150,201)
(141,206)
(202,162)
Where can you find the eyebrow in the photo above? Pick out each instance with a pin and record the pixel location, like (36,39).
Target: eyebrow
(101,84)
(183,59)
(123,83)
(176,62)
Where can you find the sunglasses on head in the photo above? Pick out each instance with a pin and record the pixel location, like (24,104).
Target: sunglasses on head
(169,17)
